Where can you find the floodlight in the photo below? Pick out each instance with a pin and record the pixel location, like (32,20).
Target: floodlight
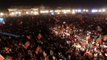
(44,11)
(57,11)
(1,14)
(79,10)
(36,13)
(27,12)
(66,11)
(51,11)
(12,13)
(76,10)
(32,12)
(103,10)
(16,12)
(73,12)
(19,12)
(2,21)
(84,10)
(99,10)
(94,10)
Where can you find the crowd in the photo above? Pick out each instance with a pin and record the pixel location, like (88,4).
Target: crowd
(54,37)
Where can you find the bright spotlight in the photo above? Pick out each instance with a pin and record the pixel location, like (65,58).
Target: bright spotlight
(1,14)
(103,10)
(99,10)
(76,10)
(36,13)
(19,12)
(86,10)
(73,12)
(12,13)
(94,10)
(79,10)
(16,12)
(58,11)
(51,11)
(2,21)
(27,12)
(66,11)
(44,11)
(31,11)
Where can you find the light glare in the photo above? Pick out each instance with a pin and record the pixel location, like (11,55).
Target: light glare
(1,14)
(94,10)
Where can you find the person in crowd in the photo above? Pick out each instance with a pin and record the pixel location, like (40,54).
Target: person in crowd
(58,37)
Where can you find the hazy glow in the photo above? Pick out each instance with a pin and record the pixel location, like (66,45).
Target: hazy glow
(73,12)
(99,10)
(1,14)
(76,10)
(66,11)
(57,11)
(27,12)
(18,12)
(12,13)
(103,10)
(44,11)
(35,9)
(36,13)
(94,10)
(79,10)
(51,11)
(32,12)
(86,10)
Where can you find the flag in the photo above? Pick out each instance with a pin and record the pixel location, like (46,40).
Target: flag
(105,37)
(1,57)
(99,40)
(90,46)
(99,28)
(29,38)
(57,20)
(7,50)
(105,51)
(88,37)
(38,49)
(39,36)
(27,44)
(8,58)
(20,43)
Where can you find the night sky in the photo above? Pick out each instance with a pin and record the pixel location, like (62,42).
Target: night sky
(55,3)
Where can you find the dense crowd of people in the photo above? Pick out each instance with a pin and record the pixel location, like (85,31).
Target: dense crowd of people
(54,37)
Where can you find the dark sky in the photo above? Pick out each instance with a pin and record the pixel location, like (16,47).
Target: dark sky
(54,3)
